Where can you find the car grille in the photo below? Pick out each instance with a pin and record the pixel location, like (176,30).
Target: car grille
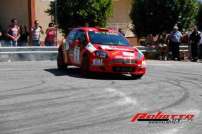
(123,61)
(123,69)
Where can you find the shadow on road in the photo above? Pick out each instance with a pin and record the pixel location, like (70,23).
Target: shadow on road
(75,72)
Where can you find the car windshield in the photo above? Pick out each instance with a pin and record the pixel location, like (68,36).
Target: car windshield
(107,38)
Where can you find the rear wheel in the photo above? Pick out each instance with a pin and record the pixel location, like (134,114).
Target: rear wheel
(60,60)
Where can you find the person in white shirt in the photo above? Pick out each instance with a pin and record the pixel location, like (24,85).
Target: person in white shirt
(175,41)
(36,33)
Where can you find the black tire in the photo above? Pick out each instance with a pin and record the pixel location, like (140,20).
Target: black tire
(136,77)
(85,66)
(60,61)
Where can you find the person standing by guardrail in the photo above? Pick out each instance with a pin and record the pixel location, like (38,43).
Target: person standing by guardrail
(162,45)
(0,37)
(36,33)
(51,34)
(175,41)
(13,33)
(200,48)
(23,40)
(194,40)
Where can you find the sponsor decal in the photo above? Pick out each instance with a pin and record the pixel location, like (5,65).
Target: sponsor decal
(105,47)
(120,57)
(115,53)
(105,32)
(114,48)
(98,62)
(90,47)
(128,54)
(161,117)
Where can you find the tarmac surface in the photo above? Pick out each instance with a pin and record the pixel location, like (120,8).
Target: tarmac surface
(36,98)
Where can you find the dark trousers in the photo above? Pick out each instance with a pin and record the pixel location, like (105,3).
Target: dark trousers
(175,48)
(194,51)
(200,51)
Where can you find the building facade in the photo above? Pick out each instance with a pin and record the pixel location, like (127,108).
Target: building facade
(27,11)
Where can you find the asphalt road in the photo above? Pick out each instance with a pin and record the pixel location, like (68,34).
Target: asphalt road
(36,98)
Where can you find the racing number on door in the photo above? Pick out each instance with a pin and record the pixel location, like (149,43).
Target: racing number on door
(77,55)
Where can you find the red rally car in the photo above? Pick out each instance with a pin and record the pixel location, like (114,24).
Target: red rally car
(100,50)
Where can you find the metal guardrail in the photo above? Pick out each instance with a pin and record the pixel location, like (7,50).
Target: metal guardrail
(36,49)
(50,53)
(183,48)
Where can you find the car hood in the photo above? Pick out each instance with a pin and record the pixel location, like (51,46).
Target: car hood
(116,48)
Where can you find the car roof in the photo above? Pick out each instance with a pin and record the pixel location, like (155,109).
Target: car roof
(96,29)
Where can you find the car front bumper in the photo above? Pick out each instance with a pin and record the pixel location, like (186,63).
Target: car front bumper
(126,67)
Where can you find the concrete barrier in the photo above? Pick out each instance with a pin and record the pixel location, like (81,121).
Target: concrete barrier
(8,54)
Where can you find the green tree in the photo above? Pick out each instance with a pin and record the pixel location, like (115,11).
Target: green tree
(157,16)
(188,10)
(74,13)
(199,17)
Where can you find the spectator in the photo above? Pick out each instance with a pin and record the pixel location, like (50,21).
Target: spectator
(0,37)
(194,40)
(175,41)
(36,33)
(13,33)
(163,49)
(51,34)
(200,48)
(23,41)
(185,38)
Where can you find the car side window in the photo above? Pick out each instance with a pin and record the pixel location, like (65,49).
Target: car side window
(81,36)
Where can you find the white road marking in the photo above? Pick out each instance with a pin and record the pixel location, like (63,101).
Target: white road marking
(125,100)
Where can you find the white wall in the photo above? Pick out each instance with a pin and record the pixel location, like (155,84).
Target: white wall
(10,9)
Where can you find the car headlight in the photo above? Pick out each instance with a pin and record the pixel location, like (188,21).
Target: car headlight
(101,54)
(144,63)
(141,64)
